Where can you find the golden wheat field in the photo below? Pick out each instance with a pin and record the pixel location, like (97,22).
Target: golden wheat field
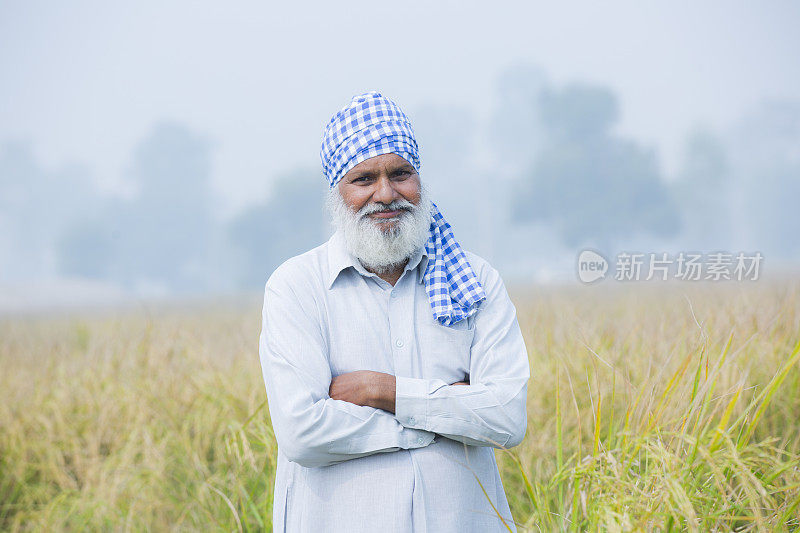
(651,408)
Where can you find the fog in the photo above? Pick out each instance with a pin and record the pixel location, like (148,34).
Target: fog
(172,151)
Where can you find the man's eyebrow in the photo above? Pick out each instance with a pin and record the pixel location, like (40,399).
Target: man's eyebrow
(363,173)
(369,173)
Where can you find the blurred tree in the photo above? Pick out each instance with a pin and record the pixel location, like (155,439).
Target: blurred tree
(702,192)
(86,248)
(595,188)
(765,149)
(291,221)
(515,129)
(165,231)
(35,205)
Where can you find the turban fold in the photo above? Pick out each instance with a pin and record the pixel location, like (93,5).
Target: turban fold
(372,125)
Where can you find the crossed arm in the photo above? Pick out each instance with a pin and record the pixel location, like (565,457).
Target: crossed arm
(320,419)
(368,388)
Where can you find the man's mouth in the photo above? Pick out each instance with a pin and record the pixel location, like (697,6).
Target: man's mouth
(387,214)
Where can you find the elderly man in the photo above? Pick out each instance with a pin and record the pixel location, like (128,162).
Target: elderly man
(392,359)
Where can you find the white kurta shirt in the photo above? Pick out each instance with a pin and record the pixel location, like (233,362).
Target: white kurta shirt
(349,468)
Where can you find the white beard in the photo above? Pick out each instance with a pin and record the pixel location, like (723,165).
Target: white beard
(381,251)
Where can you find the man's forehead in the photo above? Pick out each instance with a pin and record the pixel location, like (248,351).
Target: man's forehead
(390,160)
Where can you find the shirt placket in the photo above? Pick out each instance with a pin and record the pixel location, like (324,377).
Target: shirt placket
(400,327)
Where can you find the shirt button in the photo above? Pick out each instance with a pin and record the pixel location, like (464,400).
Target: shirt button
(411,420)
(394,294)
(399,343)
(420,440)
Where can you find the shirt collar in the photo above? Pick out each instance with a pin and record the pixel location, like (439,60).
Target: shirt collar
(339,258)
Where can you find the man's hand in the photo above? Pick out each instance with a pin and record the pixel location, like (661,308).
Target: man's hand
(368,388)
(365,387)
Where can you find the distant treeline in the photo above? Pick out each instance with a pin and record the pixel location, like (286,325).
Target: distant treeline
(545,174)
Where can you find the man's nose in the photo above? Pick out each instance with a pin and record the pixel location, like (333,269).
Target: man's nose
(385,192)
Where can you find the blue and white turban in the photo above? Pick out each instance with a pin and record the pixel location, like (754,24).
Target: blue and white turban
(372,125)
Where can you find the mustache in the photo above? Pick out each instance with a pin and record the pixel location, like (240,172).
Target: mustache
(377,207)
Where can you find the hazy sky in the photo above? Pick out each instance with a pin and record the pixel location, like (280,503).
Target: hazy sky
(85,81)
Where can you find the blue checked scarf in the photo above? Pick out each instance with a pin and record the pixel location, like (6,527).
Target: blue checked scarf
(373,125)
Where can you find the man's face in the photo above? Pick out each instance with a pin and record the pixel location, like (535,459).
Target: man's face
(383,211)
(378,182)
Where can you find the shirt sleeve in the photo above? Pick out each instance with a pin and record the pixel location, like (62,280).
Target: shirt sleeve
(491,410)
(311,428)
